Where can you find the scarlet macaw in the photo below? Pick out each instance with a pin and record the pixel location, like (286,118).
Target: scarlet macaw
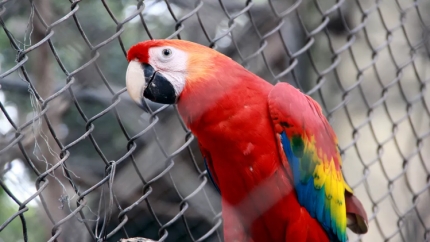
(269,149)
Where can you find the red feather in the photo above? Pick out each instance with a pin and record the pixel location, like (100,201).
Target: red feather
(229,115)
(226,108)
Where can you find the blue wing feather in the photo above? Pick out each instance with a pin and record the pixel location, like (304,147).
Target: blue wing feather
(210,176)
(308,196)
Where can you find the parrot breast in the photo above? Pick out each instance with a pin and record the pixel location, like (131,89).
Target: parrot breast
(229,116)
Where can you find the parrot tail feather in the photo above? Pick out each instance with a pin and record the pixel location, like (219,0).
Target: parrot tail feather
(356,215)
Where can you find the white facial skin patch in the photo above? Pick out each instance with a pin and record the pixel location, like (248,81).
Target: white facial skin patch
(172,66)
(166,60)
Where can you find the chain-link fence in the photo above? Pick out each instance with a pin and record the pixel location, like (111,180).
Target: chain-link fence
(79,161)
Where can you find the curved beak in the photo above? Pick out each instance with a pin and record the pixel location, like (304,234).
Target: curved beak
(143,81)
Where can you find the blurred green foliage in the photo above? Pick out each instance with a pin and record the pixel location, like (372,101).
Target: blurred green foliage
(13,231)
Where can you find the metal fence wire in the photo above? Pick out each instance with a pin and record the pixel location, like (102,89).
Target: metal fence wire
(79,161)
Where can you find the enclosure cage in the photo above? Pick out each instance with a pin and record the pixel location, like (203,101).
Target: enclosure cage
(80,161)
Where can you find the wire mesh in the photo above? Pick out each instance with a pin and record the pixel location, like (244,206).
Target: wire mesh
(104,170)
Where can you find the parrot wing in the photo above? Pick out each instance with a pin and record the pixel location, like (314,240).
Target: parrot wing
(310,145)
(209,167)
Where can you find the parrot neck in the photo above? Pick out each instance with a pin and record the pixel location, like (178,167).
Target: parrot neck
(221,95)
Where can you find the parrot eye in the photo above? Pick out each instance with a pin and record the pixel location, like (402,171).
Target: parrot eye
(166,52)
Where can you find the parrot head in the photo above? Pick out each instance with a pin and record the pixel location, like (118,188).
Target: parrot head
(160,70)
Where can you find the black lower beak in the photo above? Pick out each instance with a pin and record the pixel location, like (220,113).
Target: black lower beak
(158,88)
